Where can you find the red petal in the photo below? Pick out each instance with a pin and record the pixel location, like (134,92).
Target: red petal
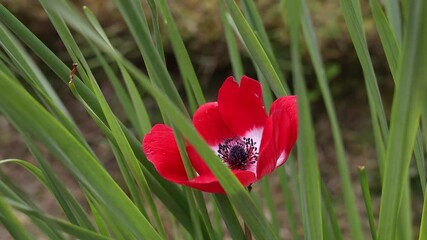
(196,160)
(279,136)
(286,107)
(208,122)
(209,183)
(241,107)
(268,154)
(160,148)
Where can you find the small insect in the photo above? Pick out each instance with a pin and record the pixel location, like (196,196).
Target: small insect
(73,71)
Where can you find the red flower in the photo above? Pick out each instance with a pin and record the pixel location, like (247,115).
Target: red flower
(237,129)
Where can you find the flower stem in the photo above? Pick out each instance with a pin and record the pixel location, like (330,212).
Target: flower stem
(248,233)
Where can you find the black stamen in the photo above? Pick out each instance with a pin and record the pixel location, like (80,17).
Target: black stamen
(238,153)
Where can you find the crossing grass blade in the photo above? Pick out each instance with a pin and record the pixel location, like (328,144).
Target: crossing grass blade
(409,99)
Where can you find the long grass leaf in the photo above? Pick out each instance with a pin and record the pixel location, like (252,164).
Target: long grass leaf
(233,50)
(183,59)
(311,208)
(349,196)
(353,17)
(254,19)
(257,52)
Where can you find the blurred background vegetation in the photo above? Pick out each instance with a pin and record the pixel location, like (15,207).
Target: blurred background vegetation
(201,28)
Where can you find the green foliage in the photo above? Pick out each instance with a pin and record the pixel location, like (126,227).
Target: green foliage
(146,204)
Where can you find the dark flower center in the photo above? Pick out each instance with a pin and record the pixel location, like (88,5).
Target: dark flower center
(238,153)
